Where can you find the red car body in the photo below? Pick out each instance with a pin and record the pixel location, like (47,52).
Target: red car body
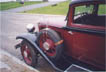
(83,42)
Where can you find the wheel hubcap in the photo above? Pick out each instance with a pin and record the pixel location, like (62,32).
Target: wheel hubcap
(26,54)
(47,45)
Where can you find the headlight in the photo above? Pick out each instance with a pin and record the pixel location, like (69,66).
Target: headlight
(30,28)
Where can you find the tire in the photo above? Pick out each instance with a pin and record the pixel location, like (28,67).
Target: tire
(29,54)
(51,37)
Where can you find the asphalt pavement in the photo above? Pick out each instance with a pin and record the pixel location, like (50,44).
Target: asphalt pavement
(13,24)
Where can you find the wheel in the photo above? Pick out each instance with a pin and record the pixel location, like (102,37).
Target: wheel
(29,54)
(47,40)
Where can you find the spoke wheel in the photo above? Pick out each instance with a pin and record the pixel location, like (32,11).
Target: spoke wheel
(47,40)
(26,54)
(29,54)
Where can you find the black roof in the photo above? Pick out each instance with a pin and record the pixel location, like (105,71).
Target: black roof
(83,1)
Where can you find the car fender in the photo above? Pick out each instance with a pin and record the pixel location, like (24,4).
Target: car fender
(27,36)
(32,39)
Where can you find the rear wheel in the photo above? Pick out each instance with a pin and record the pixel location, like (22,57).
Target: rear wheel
(47,40)
(29,55)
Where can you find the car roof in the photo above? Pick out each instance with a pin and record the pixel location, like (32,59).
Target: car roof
(84,1)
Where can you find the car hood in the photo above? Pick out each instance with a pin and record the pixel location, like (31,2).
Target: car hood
(56,21)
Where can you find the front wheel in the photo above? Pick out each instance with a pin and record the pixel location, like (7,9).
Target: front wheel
(29,54)
(51,44)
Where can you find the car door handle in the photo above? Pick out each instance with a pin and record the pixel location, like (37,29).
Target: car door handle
(70,32)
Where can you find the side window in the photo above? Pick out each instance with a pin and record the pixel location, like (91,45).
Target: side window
(93,15)
(82,14)
(83,9)
(102,9)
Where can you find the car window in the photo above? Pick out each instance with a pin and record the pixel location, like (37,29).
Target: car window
(83,9)
(89,15)
(102,9)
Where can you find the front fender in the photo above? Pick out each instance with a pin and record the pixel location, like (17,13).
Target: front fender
(32,38)
(28,36)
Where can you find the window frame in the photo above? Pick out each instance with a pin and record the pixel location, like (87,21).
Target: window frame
(83,26)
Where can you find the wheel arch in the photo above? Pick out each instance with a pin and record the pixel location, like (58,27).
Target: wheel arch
(30,38)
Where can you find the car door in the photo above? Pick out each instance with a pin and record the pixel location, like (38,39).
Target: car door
(88,36)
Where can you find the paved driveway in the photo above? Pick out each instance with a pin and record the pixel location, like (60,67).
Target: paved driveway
(13,24)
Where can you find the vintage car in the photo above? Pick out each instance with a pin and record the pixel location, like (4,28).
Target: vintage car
(80,37)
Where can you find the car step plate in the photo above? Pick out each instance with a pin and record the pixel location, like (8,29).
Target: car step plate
(74,68)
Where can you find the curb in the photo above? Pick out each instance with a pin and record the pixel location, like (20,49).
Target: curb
(2,52)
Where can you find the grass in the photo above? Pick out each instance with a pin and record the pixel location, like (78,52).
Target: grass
(60,9)
(10,5)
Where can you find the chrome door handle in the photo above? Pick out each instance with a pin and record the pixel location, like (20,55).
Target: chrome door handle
(70,32)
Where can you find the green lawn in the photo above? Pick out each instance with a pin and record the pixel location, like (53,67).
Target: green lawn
(61,9)
(9,5)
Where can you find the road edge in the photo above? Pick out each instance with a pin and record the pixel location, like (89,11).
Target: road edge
(2,52)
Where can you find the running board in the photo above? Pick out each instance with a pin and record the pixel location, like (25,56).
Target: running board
(74,68)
